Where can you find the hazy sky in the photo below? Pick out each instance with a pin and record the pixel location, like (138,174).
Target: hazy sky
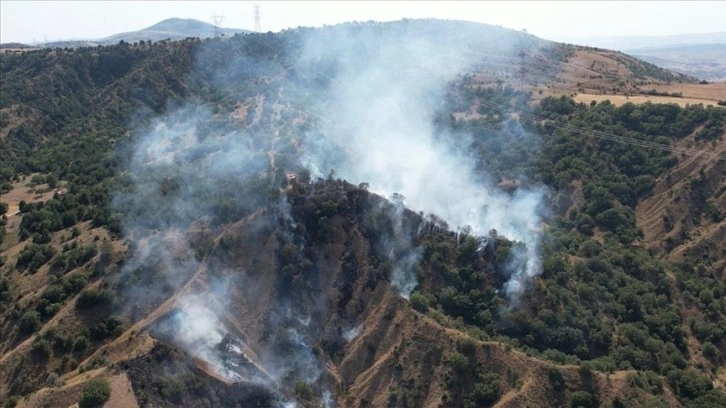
(28,21)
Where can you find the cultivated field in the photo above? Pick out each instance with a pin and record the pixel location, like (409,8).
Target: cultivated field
(638,99)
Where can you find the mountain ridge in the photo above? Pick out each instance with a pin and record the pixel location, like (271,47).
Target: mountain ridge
(173,28)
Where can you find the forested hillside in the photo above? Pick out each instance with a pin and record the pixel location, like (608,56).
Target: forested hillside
(350,216)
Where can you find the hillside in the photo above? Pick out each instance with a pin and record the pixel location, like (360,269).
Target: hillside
(369,214)
(696,55)
(172,29)
(587,74)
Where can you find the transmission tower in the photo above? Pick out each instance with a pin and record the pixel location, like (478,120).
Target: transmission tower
(217,19)
(522,69)
(258,26)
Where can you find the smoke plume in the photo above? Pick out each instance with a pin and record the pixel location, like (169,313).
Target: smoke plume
(378,128)
(357,100)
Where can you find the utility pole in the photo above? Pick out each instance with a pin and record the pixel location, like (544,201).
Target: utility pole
(258,26)
(217,19)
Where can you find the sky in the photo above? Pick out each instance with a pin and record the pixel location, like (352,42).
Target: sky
(40,21)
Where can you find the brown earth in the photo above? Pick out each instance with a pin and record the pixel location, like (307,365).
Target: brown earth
(604,75)
(23,191)
(666,216)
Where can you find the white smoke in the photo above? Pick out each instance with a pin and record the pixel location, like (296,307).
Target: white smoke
(352,333)
(196,328)
(403,277)
(375,125)
(380,130)
(327,400)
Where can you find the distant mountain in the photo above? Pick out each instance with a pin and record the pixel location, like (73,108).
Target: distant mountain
(15,45)
(703,61)
(708,52)
(171,29)
(629,43)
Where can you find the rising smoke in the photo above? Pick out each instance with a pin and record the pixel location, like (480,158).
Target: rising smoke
(372,96)
(192,174)
(379,128)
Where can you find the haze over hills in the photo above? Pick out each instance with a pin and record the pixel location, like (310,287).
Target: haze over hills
(696,55)
(703,61)
(699,55)
(624,43)
(171,29)
(404,214)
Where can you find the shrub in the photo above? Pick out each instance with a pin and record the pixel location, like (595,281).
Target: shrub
(582,399)
(466,345)
(81,343)
(557,380)
(41,348)
(486,390)
(419,302)
(710,351)
(95,393)
(30,321)
(458,361)
(91,297)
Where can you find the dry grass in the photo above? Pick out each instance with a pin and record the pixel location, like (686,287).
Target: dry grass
(22,191)
(619,100)
(713,92)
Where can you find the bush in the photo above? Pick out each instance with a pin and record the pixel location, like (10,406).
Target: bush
(41,348)
(81,343)
(688,384)
(557,380)
(419,302)
(95,393)
(458,361)
(582,399)
(30,321)
(711,352)
(486,390)
(105,328)
(91,297)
